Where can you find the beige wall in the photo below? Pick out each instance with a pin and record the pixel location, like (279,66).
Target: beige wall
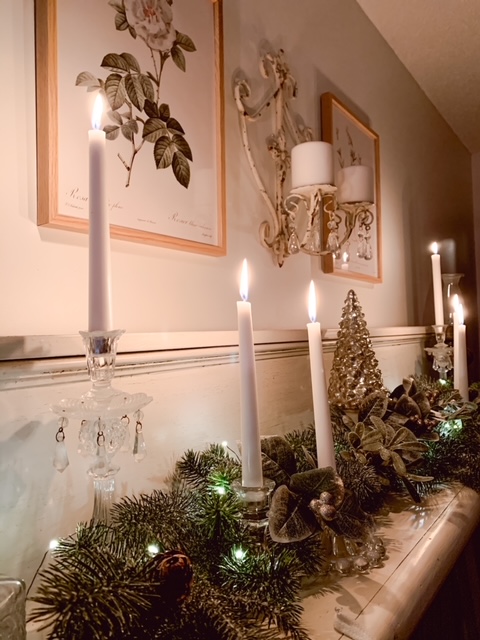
(330,46)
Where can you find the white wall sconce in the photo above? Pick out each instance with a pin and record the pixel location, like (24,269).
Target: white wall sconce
(320,211)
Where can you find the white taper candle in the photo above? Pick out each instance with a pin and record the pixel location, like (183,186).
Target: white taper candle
(437,285)
(460,371)
(321,408)
(250,434)
(99,279)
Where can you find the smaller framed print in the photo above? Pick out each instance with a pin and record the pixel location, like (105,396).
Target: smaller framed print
(354,211)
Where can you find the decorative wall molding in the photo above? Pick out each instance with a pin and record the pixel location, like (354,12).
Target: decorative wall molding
(43,360)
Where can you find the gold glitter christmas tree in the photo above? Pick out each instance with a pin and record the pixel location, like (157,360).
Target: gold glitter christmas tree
(355,373)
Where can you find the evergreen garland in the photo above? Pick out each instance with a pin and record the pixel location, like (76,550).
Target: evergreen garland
(133,578)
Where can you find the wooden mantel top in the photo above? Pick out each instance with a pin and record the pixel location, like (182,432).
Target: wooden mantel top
(423,543)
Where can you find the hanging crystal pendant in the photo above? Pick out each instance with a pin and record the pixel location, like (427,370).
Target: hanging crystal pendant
(100,466)
(361,246)
(293,243)
(368,254)
(125,423)
(139,447)
(333,243)
(60,458)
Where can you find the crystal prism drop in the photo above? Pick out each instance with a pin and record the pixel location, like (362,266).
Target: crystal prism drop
(332,242)
(60,458)
(139,447)
(368,253)
(293,243)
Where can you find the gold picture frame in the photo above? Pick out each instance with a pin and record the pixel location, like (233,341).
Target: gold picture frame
(156,208)
(353,142)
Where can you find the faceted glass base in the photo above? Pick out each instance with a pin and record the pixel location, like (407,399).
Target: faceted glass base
(12,609)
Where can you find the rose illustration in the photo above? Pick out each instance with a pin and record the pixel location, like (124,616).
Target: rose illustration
(152,21)
(137,110)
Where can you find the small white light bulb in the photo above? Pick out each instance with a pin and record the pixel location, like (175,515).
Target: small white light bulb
(53,544)
(239,553)
(153,549)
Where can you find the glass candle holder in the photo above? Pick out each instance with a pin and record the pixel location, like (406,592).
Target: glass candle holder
(451,287)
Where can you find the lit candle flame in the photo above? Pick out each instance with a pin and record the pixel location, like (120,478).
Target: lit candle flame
(459,312)
(97,112)
(312,302)
(435,247)
(455,302)
(244,281)
(345,257)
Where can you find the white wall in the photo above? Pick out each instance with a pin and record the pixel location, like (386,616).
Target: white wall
(330,46)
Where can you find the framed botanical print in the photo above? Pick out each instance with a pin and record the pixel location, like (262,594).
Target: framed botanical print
(160,75)
(352,219)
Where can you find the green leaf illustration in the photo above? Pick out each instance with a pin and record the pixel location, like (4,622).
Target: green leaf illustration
(114,61)
(135,90)
(115,91)
(164,111)
(179,58)
(153,129)
(129,129)
(163,152)
(183,146)
(115,116)
(121,23)
(147,87)
(174,125)
(150,108)
(131,61)
(184,41)
(117,5)
(86,79)
(181,169)
(111,131)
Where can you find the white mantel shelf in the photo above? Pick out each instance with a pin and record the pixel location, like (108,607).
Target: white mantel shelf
(423,543)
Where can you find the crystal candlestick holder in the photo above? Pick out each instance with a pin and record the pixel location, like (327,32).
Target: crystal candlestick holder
(441,352)
(254,503)
(103,412)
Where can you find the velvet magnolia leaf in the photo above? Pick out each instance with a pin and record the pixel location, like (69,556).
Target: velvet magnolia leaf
(375,404)
(372,440)
(290,519)
(423,403)
(398,464)
(316,481)
(348,422)
(396,420)
(278,459)
(407,406)
(407,387)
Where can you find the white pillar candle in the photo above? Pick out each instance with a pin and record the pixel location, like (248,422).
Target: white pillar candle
(355,184)
(250,434)
(437,285)
(321,408)
(99,281)
(460,369)
(312,164)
